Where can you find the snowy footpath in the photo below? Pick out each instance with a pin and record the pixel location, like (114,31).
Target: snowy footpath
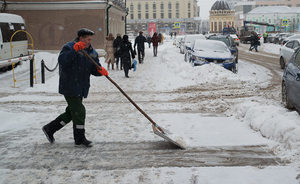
(234,133)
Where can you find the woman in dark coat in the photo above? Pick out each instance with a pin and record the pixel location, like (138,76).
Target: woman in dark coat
(155,41)
(126,53)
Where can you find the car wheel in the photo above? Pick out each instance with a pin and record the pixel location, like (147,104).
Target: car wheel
(282,63)
(285,99)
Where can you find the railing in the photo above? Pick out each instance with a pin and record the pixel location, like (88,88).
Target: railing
(43,67)
(15,60)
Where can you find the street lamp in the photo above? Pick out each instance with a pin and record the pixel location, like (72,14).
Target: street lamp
(109,5)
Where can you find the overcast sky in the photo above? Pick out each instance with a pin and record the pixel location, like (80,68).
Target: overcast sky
(205,6)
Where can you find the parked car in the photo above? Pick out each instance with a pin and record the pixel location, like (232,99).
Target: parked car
(212,51)
(280,36)
(286,52)
(271,37)
(291,83)
(293,37)
(228,40)
(9,24)
(235,39)
(188,41)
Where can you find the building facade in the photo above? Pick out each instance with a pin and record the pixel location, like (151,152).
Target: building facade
(275,15)
(221,16)
(243,7)
(52,23)
(164,14)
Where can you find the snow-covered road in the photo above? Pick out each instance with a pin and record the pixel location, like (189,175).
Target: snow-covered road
(217,112)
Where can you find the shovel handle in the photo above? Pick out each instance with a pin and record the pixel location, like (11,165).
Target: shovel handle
(123,92)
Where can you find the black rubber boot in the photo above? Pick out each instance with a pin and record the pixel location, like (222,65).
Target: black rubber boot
(79,137)
(52,127)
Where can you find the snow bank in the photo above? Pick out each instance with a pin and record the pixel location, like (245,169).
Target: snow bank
(272,121)
(270,48)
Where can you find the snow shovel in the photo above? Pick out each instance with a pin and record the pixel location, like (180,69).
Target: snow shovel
(156,129)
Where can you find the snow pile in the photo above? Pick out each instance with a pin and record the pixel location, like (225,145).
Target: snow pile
(272,121)
(270,48)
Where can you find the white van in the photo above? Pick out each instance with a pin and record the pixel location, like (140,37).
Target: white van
(9,24)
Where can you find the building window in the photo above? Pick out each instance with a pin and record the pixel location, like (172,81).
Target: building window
(162,15)
(154,10)
(177,9)
(212,26)
(220,27)
(189,10)
(139,11)
(147,11)
(170,10)
(131,11)
(216,27)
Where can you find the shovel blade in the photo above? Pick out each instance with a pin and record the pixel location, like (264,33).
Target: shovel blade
(166,136)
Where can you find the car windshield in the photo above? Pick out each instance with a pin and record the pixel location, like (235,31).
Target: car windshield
(223,39)
(206,45)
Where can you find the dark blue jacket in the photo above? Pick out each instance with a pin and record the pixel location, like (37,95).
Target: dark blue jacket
(75,70)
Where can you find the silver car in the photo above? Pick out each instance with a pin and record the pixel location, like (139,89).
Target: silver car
(287,50)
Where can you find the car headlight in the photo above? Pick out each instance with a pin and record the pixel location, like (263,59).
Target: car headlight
(199,60)
(228,61)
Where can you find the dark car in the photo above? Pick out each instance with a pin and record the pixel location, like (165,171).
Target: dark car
(291,83)
(228,40)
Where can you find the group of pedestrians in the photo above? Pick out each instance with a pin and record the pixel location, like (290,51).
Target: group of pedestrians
(119,50)
(254,40)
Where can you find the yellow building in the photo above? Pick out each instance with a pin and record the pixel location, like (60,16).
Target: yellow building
(221,16)
(162,9)
(162,12)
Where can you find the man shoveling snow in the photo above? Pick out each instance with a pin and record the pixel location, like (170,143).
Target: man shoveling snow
(74,82)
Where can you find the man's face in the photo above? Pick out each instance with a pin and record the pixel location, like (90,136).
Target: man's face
(87,40)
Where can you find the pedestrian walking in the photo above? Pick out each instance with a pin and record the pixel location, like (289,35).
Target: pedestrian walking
(155,41)
(126,53)
(149,40)
(109,49)
(254,40)
(74,82)
(140,43)
(116,45)
(162,39)
(159,38)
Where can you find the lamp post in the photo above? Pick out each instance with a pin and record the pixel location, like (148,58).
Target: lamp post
(109,5)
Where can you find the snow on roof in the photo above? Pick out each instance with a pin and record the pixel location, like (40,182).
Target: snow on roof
(12,18)
(274,9)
